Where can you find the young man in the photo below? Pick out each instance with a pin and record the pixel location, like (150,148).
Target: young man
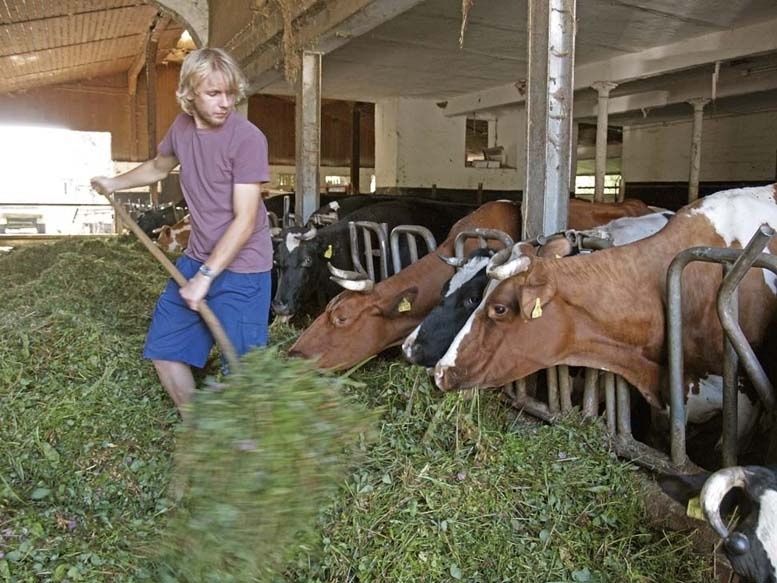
(223,160)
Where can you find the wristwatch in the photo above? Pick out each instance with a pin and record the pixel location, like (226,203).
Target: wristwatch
(206,271)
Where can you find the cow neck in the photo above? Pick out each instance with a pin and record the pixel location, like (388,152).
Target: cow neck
(617,273)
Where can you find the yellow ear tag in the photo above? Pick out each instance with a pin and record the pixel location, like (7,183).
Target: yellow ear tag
(694,510)
(404,305)
(329,252)
(537,311)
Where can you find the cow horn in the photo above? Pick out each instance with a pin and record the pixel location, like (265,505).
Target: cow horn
(360,285)
(308,235)
(715,489)
(345,274)
(452,261)
(504,264)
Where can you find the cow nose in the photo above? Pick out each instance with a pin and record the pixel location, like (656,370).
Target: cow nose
(444,377)
(280,308)
(407,349)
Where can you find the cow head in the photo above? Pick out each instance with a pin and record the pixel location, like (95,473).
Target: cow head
(378,316)
(464,293)
(752,547)
(460,297)
(518,329)
(299,259)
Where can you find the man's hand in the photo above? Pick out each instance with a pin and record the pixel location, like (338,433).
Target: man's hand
(195,291)
(103,185)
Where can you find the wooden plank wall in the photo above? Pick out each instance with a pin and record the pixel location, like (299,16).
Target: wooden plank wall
(274,115)
(103,105)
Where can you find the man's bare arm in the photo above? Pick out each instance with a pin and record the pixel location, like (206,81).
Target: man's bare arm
(147,173)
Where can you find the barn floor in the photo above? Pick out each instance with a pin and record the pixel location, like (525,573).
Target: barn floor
(453,489)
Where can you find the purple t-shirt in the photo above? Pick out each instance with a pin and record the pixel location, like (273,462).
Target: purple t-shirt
(212,162)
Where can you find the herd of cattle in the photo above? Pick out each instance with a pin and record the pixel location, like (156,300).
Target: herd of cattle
(498,314)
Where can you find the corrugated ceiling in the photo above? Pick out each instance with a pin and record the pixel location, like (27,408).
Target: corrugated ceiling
(49,42)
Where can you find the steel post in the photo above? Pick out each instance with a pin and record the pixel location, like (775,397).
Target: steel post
(603,88)
(551,28)
(308,136)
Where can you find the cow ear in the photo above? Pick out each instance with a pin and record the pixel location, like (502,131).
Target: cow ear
(534,297)
(682,488)
(401,303)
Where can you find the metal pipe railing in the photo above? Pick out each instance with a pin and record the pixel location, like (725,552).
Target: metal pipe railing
(287,212)
(411,232)
(730,382)
(381,232)
(738,341)
(728,313)
(482,235)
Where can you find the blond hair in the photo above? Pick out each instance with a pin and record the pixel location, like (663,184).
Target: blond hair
(199,64)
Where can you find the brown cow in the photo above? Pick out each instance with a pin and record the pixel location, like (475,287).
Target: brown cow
(356,326)
(606,310)
(176,238)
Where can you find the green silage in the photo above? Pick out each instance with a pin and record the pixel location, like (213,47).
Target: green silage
(450,489)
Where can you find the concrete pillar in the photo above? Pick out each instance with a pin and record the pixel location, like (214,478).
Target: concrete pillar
(603,88)
(308,138)
(551,27)
(698,116)
(573,156)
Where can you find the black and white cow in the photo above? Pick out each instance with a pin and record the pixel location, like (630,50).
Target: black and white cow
(154,219)
(329,212)
(464,292)
(304,254)
(752,547)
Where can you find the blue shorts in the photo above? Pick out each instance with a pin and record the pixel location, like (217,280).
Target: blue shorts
(241,302)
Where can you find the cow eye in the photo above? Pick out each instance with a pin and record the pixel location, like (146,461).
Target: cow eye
(339,320)
(472,301)
(497,311)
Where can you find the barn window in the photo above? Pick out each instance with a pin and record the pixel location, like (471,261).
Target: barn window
(55,199)
(286,181)
(480,142)
(584,186)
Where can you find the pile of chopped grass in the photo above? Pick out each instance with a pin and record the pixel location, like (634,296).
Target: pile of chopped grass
(451,489)
(264,454)
(456,490)
(85,431)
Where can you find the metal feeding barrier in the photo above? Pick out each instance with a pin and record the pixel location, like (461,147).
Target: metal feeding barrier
(289,219)
(367,228)
(483,236)
(617,391)
(412,233)
(735,263)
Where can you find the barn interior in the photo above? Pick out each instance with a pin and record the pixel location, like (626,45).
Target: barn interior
(423,98)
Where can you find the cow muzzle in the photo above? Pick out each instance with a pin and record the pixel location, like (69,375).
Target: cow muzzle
(281,309)
(445,377)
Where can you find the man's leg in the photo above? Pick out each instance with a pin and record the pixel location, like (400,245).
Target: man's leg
(177,379)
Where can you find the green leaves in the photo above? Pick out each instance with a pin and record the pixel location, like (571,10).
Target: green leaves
(265,452)
(280,473)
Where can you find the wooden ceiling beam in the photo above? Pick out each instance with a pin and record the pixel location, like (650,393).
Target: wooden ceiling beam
(155,29)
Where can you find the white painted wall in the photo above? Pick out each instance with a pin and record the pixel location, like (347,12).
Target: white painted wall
(741,147)
(417,146)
